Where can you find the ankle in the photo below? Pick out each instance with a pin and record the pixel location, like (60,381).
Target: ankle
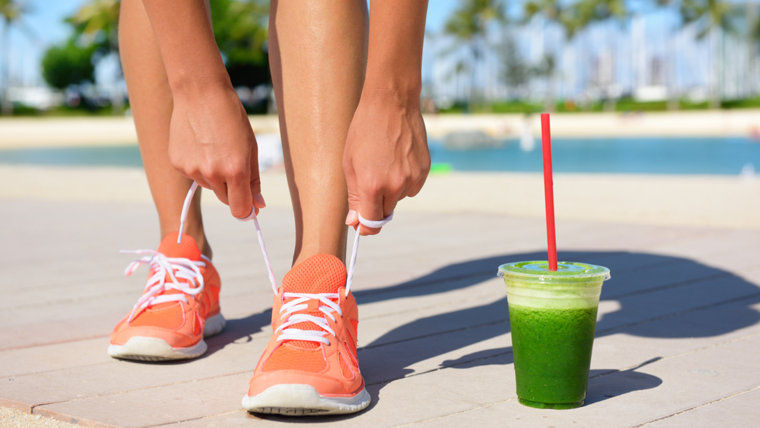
(302,255)
(199,236)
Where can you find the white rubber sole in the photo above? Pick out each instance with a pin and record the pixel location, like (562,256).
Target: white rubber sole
(214,325)
(153,349)
(303,400)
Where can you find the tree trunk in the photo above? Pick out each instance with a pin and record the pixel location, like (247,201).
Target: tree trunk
(717,81)
(5,103)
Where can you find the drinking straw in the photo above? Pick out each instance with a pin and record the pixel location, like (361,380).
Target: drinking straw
(546,143)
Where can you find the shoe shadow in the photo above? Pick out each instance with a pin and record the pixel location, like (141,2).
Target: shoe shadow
(658,296)
(238,330)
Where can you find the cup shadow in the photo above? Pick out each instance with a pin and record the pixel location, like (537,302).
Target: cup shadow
(605,384)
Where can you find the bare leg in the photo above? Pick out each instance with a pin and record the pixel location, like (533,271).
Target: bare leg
(151,103)
(318,53)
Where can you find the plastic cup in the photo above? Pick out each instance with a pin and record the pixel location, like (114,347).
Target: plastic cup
(552,315)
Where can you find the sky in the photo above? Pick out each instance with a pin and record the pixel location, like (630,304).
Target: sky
(45,23)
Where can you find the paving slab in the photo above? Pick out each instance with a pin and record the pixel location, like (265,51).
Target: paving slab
(738,410)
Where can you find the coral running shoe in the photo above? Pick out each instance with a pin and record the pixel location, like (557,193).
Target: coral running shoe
(179,306)
(310,366)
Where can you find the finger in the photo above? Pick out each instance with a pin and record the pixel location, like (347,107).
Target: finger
(241,200)
(371,208)
(202,181)
(416,185)
(352,218)
(218,187)
(389,204)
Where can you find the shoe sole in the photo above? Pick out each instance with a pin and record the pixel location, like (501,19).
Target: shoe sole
(303,400)
(143,348)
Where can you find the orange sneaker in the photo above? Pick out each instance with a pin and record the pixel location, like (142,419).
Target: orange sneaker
(309,366)
(179,306)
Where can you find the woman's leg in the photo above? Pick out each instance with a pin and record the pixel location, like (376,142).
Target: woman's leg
(318,53)
(151,103)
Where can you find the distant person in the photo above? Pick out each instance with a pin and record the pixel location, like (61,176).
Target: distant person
(347,85)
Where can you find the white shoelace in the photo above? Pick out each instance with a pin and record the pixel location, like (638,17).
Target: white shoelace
(289,311)
(175,268)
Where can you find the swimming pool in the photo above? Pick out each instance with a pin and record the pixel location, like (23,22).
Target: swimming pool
(726,156)
(610,155)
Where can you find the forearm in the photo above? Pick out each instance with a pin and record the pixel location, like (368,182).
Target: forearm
(186,41)
(396,33)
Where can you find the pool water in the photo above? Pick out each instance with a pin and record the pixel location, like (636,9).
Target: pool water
(119,156)
(611,155)
(575,155)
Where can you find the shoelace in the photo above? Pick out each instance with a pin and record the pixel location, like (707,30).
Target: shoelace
(176,269)
(289,310)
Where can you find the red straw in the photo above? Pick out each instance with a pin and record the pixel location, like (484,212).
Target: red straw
(546,140)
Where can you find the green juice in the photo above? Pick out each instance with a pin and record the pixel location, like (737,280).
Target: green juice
(552,354)
(553,317)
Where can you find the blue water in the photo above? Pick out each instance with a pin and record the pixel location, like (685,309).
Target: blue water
(576,155)
(611,155)
(119,156)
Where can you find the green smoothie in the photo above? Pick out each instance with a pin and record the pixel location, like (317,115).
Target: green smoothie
(553,318)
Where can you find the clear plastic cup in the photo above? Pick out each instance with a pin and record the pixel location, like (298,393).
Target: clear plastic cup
(552,316)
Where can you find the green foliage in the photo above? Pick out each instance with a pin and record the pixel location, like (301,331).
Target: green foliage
(573,17)
(471,18)
(68,64)
(515,107)
(624,105)
(95,24)
(241,31)
(708,15)
(741,103)
(11,10)
(468,24)
(516,73)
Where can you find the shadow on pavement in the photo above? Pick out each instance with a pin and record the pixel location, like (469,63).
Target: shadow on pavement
(604,384)
(238,329)
(658,296)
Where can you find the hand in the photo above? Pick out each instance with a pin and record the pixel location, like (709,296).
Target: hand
(211,141)
(386,157)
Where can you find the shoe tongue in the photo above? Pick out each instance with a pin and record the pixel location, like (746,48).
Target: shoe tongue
(169,247)
(187,249)
(323,273)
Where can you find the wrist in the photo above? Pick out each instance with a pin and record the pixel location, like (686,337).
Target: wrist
(192,84)
(402,92)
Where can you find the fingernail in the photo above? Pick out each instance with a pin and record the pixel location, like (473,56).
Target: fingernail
(258,201)
(250,216)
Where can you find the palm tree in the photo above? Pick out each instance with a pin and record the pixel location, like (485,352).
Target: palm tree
(97,23)
(468,24)
(11,14)
(241,31)
(591,12)
(96,26)
(553,12)
(712,17)
(753,42)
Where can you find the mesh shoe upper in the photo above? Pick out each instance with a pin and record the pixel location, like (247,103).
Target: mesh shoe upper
(181,293)
(315,329)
